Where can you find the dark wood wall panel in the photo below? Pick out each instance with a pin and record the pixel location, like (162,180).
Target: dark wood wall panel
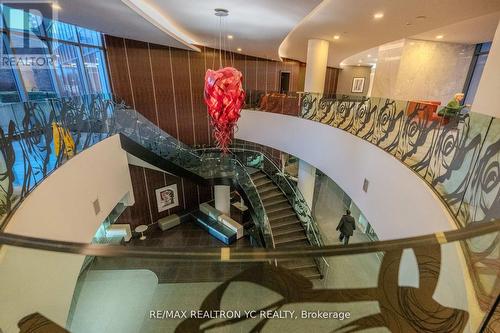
(166,86)
(164,90)
(183,93)
(331,80)
(141,78)
(145,182)
(118,68)
(200,115)
(251,74)
(139,213)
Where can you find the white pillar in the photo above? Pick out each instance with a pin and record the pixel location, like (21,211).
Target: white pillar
(487,98)
(222,195)
(306,180)
(317,58)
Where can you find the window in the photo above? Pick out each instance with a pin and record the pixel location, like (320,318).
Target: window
(8,85)
(43,58)
(95,67)
(476,71)
(34,64)
(69,69)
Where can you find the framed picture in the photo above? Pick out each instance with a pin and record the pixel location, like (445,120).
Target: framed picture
(167,197)
(358,84)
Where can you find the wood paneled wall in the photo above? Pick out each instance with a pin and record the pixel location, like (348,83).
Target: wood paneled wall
(331,80)
(165,85)
(145,182)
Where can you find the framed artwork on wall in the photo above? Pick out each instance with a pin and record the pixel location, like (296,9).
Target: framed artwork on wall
(167,197)
(358,84)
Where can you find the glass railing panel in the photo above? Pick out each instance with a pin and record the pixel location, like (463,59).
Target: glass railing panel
(389,124)
(481,200)
(419,134)
(423,284)
(455,155)
(365,115)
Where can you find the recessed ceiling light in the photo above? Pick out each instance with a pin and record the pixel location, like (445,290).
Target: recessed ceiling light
(56,6)
(369,56)
(336,37)
(439,37)
(230,37)
(378,16)
(239,49)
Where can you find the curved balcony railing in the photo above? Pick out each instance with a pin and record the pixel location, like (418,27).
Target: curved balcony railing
(394,293)
(457,156)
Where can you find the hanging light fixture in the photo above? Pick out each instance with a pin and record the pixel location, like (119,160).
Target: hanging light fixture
(223,94)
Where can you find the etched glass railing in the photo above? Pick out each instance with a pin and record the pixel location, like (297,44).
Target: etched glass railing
(39,136)
(420,284)
(458,156)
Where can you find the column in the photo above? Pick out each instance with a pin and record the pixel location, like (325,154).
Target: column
(487,98)
(306,179)
(222,195)
(317,58)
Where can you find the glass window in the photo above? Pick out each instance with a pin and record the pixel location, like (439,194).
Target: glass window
(485,47)
(476,77)
(60,30)
(35,65)
(89,37)
(8,87)
(95,67)
(69,69)
(74,64)
(19,20)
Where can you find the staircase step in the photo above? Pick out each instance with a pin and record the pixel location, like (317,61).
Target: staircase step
(288,238)
(270,194)
(266,188)
(258,175)
(298,264)
(311,273)
(297,243)
(277,207)
(262,181)
(274,200)
(285,222)
(282,214)
(287,229)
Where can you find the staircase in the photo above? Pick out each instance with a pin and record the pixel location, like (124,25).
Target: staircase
(285,225)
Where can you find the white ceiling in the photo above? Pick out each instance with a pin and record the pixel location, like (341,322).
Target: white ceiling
(115,18)
(258,26)
(473,31)
(353,20)
(268,28)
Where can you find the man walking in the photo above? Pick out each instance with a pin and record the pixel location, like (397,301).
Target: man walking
(346,227)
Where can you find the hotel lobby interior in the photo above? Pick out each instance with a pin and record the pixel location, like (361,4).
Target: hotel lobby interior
(250,166)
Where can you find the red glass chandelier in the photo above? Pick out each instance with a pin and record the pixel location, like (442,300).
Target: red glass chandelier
(224,96)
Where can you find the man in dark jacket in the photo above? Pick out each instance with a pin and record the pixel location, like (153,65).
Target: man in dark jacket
(346,227)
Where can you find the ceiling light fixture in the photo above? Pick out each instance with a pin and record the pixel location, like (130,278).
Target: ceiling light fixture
(369,56)
(230,37)
(336,37)
(239,49)
(56,6)
(439,37)
(378,16)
